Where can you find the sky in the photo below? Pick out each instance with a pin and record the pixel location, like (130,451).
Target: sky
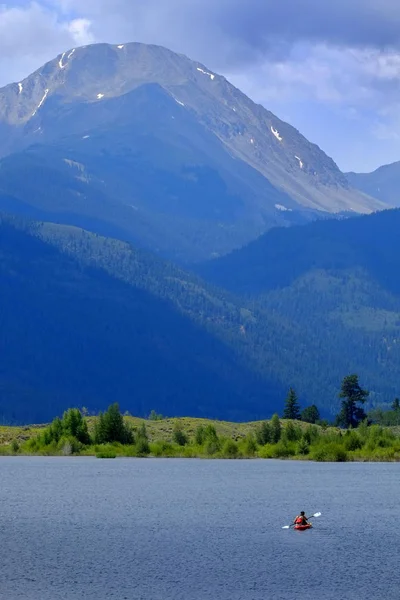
(330,68)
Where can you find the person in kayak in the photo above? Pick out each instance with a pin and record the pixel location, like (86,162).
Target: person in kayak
(301,519)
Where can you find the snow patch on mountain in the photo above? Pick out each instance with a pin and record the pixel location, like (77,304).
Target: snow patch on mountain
(60,62)
(40,103)
(276,134)
(282,208)
(212,77)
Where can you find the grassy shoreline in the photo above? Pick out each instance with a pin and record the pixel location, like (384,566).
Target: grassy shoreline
(221,440)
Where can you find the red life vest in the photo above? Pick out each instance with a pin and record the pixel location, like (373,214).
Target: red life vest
(300,521)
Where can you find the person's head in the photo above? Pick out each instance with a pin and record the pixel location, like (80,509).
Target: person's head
(302,513)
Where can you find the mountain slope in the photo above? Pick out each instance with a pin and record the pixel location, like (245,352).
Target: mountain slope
(335,286)
(383,184)
(176,111)
(87,321)
(156,177)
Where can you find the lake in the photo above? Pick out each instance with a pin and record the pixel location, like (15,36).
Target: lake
(159,529)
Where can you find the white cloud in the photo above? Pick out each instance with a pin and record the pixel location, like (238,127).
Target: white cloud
(33,34)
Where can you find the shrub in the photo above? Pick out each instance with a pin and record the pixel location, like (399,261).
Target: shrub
(303,447)
(276,429)
(352,441)
(142,446)
(249,445)
(106,453)
(292,433)
(200,435)
(263,434)
(283,450)
(331,452)
(14,447)
(230,449)
(179,436)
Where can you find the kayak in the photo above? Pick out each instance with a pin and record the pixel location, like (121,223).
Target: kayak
(303,527)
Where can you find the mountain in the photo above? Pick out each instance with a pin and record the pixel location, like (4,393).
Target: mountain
(332,289)
(87,321)
(140,143)
(383,184)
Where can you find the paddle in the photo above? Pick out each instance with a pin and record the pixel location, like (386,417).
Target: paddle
(318,514)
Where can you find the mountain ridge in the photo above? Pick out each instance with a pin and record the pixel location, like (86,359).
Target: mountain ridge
(383,183)
(99,72)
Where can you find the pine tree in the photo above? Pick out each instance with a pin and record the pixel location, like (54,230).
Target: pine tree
(110,427)
(353,394)
(310,414)
(292,407)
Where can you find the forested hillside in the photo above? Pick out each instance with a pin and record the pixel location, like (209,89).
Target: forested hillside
(88,320)
(333,290)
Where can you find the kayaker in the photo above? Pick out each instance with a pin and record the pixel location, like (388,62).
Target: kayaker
(301,519)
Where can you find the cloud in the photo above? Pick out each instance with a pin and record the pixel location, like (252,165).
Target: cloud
(237,31)
(31,34)
(341,56)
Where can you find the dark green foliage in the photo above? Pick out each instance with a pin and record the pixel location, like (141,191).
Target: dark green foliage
(250,446)
(352,441)
(303,447)
(310,414)
(388,418)
(292,433)
(292,407)
(212,441)
(200,435)
(396,404)
(264,434)
(73,424)
(15,447)
(351,413)
(142,441)
(179,436)
(331,452)
(276,429)
(70,432)
(230,449)
(110,427)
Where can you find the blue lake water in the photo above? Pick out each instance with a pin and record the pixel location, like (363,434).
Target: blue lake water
(154,529)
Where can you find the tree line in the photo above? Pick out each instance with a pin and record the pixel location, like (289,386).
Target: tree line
(353,398)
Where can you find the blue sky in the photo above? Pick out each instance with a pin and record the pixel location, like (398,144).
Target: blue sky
(331,69)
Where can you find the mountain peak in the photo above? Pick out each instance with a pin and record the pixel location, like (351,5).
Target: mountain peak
(49,104)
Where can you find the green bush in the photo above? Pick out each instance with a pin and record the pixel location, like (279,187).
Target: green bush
(248,446)
(230,449)
(179,436)
(283,450)
(352,441)
(292,433)
(331,452)
(14,447)
(142,446)
(263,434)
(276,429)
(200,435)
(303,447)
